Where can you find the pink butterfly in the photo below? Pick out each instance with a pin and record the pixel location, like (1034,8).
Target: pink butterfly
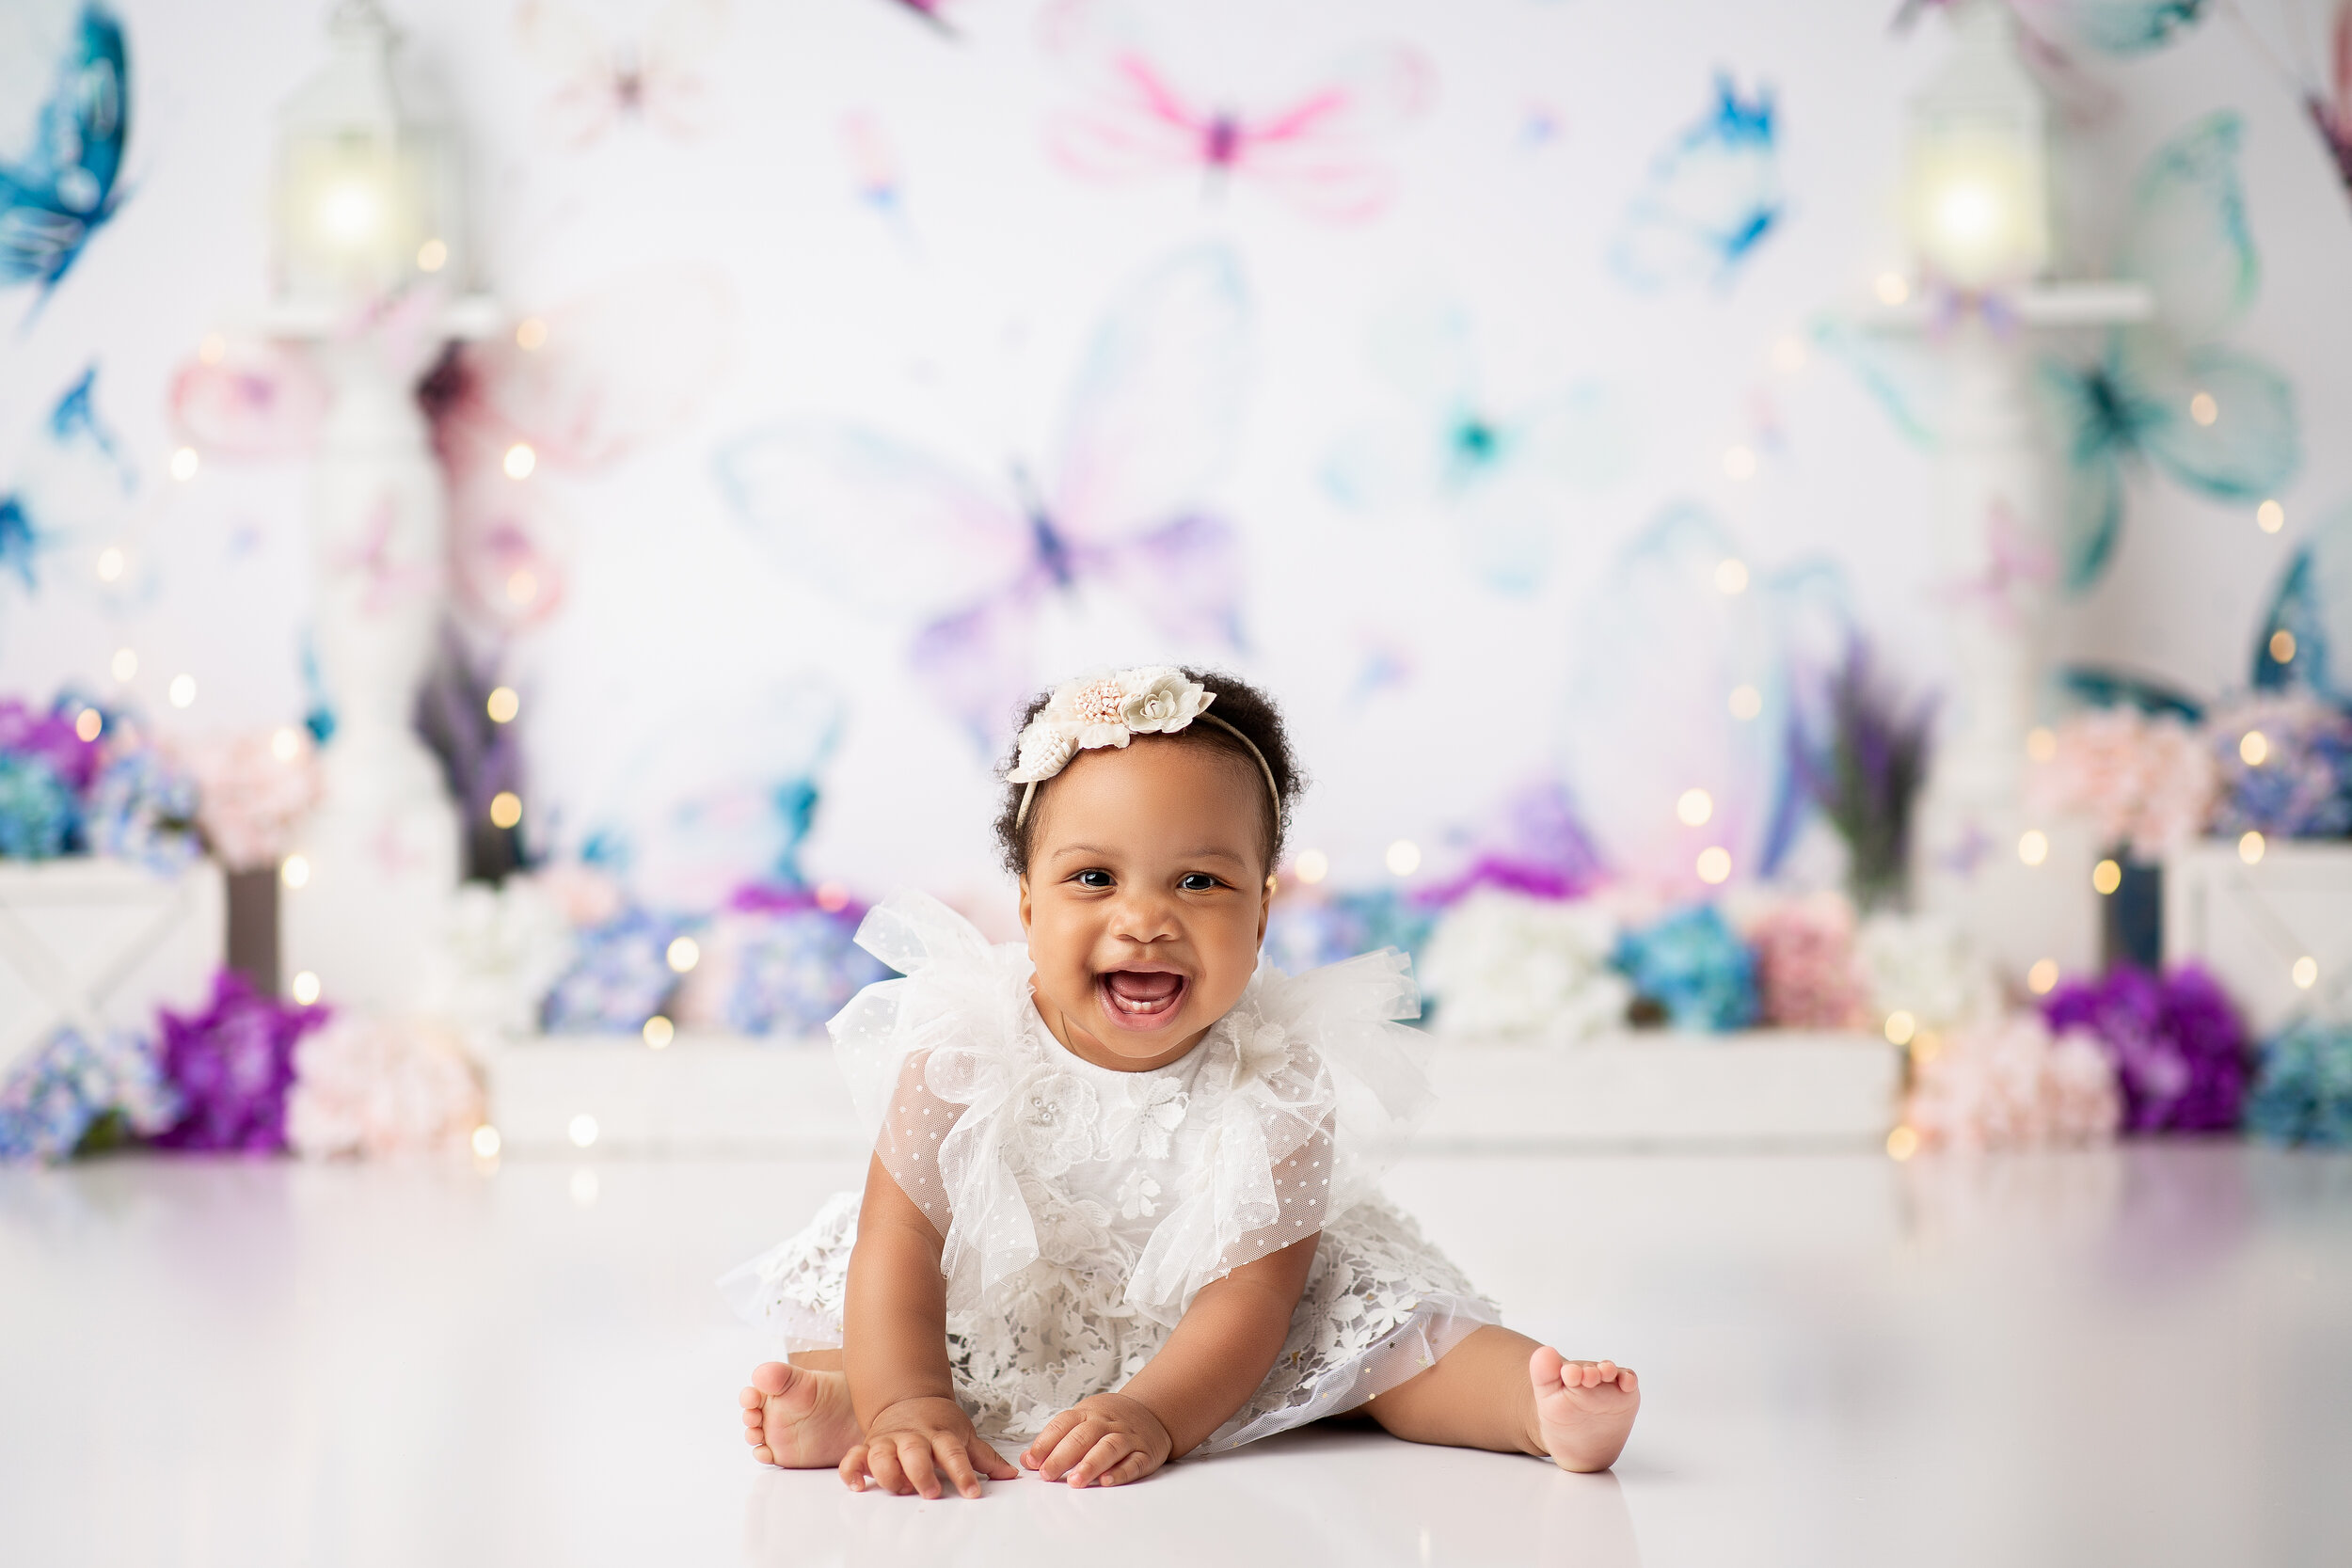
(602,81)
(1318,152)
(2330,103)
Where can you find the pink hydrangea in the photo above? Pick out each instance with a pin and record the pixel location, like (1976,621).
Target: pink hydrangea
(374,1085)
(2148,782)
(253,790)
(2011,1084)
(1805,963)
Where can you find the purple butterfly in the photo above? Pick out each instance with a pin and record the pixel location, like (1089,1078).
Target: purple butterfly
(1151,424)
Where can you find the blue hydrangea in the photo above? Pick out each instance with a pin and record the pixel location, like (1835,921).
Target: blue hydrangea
(795,968)
(2303,1090)
(620,976)
(1304,934)
(143,809)
(1692,965)
(60,1089)
(39,818)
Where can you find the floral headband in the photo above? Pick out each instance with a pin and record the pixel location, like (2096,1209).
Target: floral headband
(1111,710)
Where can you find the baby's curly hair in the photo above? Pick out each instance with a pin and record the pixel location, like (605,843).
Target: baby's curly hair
(1239,704)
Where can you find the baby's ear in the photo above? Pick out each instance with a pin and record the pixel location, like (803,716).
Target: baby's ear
(1024,902)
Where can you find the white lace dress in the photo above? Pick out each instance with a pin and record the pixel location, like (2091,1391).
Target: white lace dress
(1083,1208)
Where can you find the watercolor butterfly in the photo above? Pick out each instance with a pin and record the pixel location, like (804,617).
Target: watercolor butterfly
(874,166)
(54,195)
(2330,103)
(2313,605)
(75,497)
(2120,27)
(1689,671)
(2219,422)
(1506,480)
(932,12)
(1151,423)
(1318,151)
(1710,198)
(602,82)
(2316,63)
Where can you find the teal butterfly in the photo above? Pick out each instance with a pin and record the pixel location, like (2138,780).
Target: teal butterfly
(2216,420)
(2312,608)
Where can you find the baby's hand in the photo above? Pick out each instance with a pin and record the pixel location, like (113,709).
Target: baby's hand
(913,1441)
(1101,1441)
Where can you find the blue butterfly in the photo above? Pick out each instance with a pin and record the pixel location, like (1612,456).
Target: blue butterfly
(2313,608)
(1712,197)
(74,483)
(2220,423)
(55,197)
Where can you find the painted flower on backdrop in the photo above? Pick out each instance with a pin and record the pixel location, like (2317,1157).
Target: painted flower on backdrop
(655,77)
(61,187)
(1319,151)
(73,498)
(1150,426)
(1508,480)
(1708,199)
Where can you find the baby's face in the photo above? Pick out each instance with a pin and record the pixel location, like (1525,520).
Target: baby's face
(1146,897)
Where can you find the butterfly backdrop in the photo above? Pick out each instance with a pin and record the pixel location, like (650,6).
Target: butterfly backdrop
(1481,377)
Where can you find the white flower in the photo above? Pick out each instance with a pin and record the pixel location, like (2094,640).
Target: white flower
(1106,711)
(1926,967)
(1135,1195)
(1505,964)
(1144,1120)
(1069,1231)
(1261,1052)
(1054,1122)
(1159,700)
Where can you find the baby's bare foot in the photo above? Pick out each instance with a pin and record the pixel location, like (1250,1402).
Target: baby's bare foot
(1583,1409)
(798,1418)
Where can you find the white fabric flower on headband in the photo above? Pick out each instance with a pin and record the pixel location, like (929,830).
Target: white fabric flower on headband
(1106,711)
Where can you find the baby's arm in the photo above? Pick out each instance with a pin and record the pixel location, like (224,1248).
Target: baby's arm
(1215,1360)
(895,1348)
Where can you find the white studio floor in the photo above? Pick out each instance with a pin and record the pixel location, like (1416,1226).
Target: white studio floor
(2135,1356)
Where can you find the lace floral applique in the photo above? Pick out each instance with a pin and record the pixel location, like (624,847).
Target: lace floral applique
(1136,1196)
(1054,1122)
(1144,1120)
(1261,1051)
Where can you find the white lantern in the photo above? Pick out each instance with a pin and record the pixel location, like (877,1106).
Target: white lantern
(369,198)
(1976,167)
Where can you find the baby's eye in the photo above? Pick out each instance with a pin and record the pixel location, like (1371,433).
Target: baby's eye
(1199,881)
(1095,878)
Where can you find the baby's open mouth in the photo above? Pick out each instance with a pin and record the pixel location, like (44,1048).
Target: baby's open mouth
(1140,995)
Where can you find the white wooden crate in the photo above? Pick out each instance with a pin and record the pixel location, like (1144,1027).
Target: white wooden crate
(103,944)
(716,1094)
(2250,926)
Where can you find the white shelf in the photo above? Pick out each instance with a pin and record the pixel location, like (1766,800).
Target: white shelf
(719,1094)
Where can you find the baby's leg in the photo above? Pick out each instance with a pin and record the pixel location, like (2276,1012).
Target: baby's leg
(798,1417)
(1503,1391)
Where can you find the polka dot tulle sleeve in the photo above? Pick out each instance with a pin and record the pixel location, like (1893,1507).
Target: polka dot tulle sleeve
(1302,1196)
(916,1124)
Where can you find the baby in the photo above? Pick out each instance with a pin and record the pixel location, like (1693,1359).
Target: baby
(1122,1205)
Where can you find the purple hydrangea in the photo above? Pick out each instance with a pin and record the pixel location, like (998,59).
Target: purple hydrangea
(143,809)
(620,976)
(232,1066)
(51,737)
(796,962)
(2302,785)
(2178,1046)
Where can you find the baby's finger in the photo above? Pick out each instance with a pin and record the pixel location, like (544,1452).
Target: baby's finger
(748,1399)
(1607,1372)
(854,1469)
(958,1468)
(1034,1453)
(882,1463)
(1625,1381)
(1134,1467)
(1072,1447)
(1109,1450)
(991,1463)
(914,1456)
